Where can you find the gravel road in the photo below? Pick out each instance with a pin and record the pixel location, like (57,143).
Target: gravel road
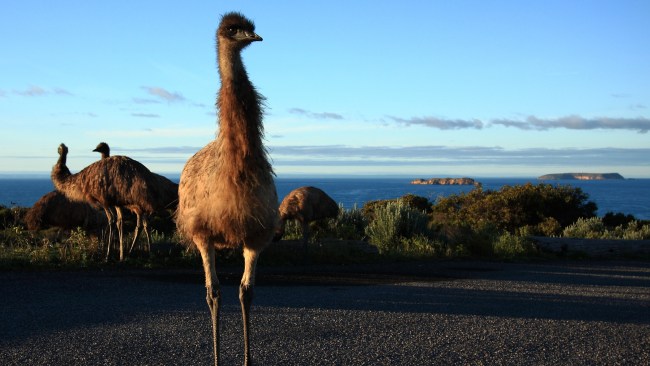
(437,313)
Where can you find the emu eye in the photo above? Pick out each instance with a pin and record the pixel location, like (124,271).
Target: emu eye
(232,30)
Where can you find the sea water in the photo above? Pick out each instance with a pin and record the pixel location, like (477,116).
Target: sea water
(629,196)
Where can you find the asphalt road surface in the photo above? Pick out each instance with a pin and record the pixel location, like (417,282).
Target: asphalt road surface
(438,313)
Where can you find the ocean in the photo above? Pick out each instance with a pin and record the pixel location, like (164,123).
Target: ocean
(629,196)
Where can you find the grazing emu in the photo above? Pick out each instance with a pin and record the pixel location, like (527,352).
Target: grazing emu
(227,195)
(169,186)
(306,204)
(116,181)
(54,209)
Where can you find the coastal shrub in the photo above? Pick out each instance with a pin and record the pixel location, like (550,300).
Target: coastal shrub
(512,207)
(510,246)
(549,227)
(394,223)
(79,248)
(11,217)
(422,245)
(636,231)
(586,228)
(468,240)
(348,225)
(612,219)
(594,228)
(418,203)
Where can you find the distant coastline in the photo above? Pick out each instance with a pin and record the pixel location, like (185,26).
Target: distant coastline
(447,181)
(581,176)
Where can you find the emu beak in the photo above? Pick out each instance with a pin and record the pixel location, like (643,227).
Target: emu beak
(252,36)
(248,36)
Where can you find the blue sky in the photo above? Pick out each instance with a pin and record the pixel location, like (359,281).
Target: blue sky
(414,88)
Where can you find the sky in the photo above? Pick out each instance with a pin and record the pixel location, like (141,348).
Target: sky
(355,87)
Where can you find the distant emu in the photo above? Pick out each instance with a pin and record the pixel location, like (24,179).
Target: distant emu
(117,181)
(305,205)
(227,195)
(55,210)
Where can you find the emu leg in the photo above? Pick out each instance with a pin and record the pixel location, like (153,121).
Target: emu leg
(213,297)
(111,221)
(120,231)
(246,296)
(145,224)
(138,223)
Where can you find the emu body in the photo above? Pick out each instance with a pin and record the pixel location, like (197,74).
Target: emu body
(165,186)
(305,205)
(116,181)
(227,195)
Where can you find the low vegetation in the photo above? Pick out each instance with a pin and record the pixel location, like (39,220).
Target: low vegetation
(481,223)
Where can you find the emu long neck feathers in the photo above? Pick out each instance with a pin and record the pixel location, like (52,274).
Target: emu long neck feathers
(63,179)
(240,114)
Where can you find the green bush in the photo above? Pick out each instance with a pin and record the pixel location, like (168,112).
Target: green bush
(418,203)
(394,223)
(617,219)
(466,240)
(512,246)
(513,207)
(594,228)
(348,225)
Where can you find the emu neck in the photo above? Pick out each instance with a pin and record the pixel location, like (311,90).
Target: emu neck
(240,115)
(60,172)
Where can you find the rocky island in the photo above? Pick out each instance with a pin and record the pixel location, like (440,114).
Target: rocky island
(582,176)
(447,181)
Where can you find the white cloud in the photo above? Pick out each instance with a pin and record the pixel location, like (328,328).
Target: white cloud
(641,125)
(315,115)
(163,94)
(37,91)
(440,123)
(468,155)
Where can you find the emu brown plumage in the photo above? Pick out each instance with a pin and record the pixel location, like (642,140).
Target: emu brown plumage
(55,210)
(117,181)
(227,195)
(142,216)
(305,205)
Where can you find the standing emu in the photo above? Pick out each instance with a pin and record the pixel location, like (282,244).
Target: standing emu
(117,181)
(306,204)
(105,152)
(141,215)
(227,196)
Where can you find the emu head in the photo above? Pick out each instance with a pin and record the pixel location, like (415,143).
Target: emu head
(237,31)
(63,150)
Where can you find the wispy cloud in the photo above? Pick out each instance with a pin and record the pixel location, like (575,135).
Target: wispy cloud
(641,125)
(446,155)
(61,91)
(163,94)
(145,101)
(440,123)
(145,115)
(638,106)
(574,122)
(37,91)
(315,115)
